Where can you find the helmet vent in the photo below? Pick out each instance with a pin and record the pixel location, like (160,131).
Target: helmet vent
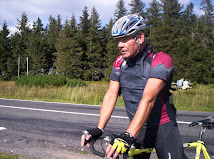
(131,31)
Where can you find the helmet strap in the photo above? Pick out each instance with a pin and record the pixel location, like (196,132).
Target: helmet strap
(138,50)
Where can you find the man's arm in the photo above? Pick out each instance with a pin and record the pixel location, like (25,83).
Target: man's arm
(106,110)
(152,89)
(108,104)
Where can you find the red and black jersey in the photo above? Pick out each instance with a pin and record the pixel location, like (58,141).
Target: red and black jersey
(133,75)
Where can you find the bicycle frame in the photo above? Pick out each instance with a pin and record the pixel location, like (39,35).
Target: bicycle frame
(133,151)
(199,145)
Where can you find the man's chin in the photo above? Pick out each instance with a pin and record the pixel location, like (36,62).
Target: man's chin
(127,56)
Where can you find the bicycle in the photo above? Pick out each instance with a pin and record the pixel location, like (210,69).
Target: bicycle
(207,123)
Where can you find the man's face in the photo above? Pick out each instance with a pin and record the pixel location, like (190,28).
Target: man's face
(127,46)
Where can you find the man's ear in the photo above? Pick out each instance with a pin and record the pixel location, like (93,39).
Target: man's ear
(141,38)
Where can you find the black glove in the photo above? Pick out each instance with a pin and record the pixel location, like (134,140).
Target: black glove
(122,142)
(95,133)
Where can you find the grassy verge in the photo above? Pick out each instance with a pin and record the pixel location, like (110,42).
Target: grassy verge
(92,94)
(199,98)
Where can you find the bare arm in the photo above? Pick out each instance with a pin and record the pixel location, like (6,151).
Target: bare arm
(107,108)
(152,89)
(108,104)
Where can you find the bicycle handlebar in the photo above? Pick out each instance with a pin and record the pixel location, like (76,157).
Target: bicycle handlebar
(94,151)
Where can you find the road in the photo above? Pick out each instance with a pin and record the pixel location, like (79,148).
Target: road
(50,130)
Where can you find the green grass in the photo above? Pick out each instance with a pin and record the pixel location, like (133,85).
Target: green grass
(6,156)
(199,98)
(92,94)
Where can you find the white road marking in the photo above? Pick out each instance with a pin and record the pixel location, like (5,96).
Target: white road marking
(2,128)
(58,111)
(35,101)
(76,113)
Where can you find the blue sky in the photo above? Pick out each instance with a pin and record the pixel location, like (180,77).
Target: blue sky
(11,10)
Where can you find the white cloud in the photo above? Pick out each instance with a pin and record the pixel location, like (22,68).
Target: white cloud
(198,11)
(185,2)
(12,29)
(11,10)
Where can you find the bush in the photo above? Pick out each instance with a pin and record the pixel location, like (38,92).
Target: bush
(75,82)
(47,81)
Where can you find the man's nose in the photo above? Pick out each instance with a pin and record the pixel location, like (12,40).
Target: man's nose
(120,44)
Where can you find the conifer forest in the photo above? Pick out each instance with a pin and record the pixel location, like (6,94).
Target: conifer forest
(82,48)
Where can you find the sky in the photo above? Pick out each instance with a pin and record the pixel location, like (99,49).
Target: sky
(11,10)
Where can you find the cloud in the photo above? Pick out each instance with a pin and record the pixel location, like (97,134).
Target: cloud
(11,10)
(198,11)
(185,2)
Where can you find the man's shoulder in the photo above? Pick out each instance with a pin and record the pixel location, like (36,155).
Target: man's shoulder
(118,62)
(162,58)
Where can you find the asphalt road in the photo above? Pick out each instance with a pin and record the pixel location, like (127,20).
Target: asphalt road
(52,130)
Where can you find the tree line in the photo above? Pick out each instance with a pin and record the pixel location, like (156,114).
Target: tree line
(86,50)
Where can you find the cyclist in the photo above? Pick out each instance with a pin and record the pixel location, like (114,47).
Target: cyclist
(144,78)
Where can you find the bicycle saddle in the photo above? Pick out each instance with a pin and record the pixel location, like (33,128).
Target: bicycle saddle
(207,122)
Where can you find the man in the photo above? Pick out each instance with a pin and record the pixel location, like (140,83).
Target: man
(144,78)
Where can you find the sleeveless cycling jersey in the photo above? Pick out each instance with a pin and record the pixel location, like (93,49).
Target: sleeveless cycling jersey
(133,75)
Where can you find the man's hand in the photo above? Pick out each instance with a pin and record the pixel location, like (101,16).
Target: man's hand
(120,143)
(92,134)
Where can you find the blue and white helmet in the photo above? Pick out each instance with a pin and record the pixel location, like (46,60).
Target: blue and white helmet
(128,25)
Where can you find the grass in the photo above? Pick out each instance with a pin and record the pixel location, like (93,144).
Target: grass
(6,156)
(92,94)
(199,98)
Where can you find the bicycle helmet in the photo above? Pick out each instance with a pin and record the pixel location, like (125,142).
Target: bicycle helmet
(128,25)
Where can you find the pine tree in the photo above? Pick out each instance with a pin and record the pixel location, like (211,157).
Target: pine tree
(83,31)
(201,54)
(84,24)
(120,9)
(169,34)
(95,52)
(189,21)
(208,21)
(20,43)
(53,29)
(5,52)
(154,14)
(208,9)
(184,49)
(36,48)
(154,21)
(67,56)
(137,6)
(203,71)
(73,26)
(77,49)
(111,48)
